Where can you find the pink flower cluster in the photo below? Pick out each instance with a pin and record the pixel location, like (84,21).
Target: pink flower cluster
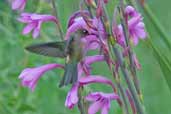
(97,39)
(136,27)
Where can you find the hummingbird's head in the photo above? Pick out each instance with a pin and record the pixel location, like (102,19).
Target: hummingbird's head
(82,33)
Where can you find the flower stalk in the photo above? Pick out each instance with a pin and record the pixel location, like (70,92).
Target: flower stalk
(58,23)
(81,104)
(128,81)
(91,30)
(130,52)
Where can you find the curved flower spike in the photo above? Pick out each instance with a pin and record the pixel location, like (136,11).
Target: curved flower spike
(34,22)
(101,101)
(30,76)
(18,4)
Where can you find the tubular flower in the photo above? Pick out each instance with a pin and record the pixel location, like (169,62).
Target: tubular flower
(30,76)
(91,41)
(101,101)
(95,79)
(18,4)
(72,96)
(86,64)
(34,22)
(80,23)
(130,11)
(136,27)
(82,20)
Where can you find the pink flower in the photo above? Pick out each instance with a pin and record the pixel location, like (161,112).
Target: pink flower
(96,79)
(72,97)
(77,15)
(85,65)
(136,27)
(130,11)
(82,20)
(91,41)
(30,76)
(18,4)
(101,101)
(34,22)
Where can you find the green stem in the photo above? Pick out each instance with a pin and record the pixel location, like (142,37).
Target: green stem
(128,81)
(58,23)
(81,106)
(124,100)
(130,52)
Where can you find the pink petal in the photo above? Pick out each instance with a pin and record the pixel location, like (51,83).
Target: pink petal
(95,79)
(93,96)
(134,21)
(91,59)
(131,11)
(140,31)
(95,107)
(30,76)
(105,110)
(75,15)
(135,40)
(29,28)
(17,4)
(72,97)
(77,25)
(91,41)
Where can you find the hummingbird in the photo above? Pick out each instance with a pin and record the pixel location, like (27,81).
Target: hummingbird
(71,50)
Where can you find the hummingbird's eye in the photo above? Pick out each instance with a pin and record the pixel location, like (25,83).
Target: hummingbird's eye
(85,32)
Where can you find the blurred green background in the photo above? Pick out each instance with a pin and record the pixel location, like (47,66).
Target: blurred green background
(47,97)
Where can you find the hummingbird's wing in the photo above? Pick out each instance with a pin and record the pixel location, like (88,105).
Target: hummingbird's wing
(52,49)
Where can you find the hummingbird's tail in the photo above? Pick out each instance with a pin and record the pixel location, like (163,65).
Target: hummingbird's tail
(70,74)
